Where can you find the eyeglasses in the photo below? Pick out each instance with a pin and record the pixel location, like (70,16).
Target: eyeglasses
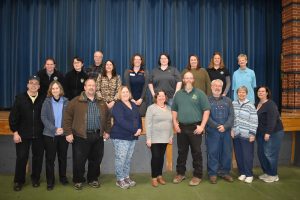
(36,83)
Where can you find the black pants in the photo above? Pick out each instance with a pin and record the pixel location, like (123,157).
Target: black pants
(55,145)
(22,151)
(187,139)
(90,150)
(157,161)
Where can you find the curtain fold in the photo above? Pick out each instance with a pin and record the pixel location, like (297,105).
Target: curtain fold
(32,30)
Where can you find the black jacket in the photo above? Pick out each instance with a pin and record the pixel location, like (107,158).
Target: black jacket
(25,116)
(45,80)
(74,83)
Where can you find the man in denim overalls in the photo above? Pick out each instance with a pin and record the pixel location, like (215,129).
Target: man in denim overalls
(218,139)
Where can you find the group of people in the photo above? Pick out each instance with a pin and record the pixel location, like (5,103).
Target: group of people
(77,108)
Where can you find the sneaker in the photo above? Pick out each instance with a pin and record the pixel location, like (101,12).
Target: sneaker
(271,179)
(178,178)
(130,182)
(122,184)
(195,181)
(18,187)
(249,179)
(263,176)
(242,177)
(78,186)
(36,184)
(228,178)
(213,179)
(94,184)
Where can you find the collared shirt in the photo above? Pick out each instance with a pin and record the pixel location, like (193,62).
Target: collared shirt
(190,106)
(165,79)
(244,77)
(218,74)
(93,71)
(33,98)
(93,115)
(57,107)
(137,81)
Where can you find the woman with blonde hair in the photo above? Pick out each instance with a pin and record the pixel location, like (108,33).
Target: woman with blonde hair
(124,133)
(217,70)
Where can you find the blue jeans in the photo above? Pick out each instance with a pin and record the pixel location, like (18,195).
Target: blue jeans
(268,152)
(219,152)
(244,153)
(123,154)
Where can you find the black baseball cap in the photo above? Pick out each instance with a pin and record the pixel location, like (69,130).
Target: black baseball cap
(34,77)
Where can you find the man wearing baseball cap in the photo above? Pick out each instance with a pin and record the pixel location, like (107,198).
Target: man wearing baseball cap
(27,127)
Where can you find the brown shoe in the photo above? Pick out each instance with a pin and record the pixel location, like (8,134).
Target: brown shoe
(154,182)
(161,180)
(178,178)
(195,181)
(228,178)
(213,179)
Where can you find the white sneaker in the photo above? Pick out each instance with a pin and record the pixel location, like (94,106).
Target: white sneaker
(263,176)
(242,177)
(271,179)
(249,179)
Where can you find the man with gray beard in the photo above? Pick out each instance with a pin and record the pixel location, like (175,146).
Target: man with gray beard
(190,112)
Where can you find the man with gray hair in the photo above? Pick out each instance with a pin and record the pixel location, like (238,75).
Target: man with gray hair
(97,67)
(218,138)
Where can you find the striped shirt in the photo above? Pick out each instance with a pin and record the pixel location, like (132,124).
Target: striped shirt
(245,119)
(93,115)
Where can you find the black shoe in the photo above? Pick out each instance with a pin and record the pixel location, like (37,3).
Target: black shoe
(64,181)
(50,187)
(35,184)
(18,187)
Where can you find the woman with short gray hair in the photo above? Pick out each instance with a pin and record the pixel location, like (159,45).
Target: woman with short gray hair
(243,134)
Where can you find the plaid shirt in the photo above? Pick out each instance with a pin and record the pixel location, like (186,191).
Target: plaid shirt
(93,115)
(93,71)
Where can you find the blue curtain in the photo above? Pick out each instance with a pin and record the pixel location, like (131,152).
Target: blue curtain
(32,30)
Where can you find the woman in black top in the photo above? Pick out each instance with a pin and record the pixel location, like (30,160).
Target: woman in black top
(269,135)
(48,74)
(217,70)
(136,79)
(74,80)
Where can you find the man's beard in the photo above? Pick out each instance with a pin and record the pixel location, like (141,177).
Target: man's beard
(188,86)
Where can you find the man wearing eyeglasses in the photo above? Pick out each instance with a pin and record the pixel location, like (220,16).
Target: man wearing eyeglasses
(27,127)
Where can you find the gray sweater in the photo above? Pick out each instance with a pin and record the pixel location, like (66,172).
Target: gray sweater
(48,117)
(159,126)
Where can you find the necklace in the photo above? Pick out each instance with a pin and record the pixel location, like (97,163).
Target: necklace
(162,106)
